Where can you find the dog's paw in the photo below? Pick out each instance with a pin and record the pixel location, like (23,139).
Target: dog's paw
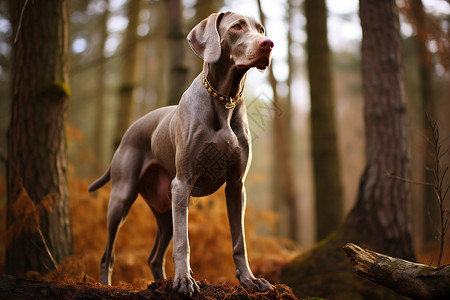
(258,284)
(185,286)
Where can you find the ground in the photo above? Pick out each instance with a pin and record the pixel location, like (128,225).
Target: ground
(16,288)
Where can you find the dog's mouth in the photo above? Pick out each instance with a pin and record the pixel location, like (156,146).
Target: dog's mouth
(261,61)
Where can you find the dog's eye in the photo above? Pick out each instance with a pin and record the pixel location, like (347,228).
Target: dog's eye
(237,27)
(261,30)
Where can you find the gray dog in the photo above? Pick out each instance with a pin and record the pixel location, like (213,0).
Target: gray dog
(192,149)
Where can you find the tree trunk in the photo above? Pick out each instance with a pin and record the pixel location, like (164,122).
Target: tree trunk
(427,205)
(36,166)
(291,71)
(284,184)
(380,218)
(410,279)
(177,40)
(381,213)
(128,80)
(99,129)
(327,177)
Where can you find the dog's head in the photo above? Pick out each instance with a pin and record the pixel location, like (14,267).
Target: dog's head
(233,36)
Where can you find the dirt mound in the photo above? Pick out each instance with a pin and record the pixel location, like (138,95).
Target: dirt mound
(16,288)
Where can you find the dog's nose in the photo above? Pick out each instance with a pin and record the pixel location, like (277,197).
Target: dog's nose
(266,43)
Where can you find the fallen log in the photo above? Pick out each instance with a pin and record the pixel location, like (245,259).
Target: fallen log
(410,279)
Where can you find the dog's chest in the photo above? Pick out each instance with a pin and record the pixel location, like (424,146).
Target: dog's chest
(223,154)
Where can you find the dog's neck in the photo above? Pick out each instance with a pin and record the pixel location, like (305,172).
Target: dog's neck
(227,81)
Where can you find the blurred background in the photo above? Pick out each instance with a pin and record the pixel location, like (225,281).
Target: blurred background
(130,57)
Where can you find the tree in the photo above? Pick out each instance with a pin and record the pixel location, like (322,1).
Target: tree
(100,92)
(327,177)
(128,74)
(284,184)
(426,201)
(177,39)
(38,214)
(382,208)
(380,218)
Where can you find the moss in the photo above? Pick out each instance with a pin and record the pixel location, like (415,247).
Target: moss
(424,275)
(58,88)
(426,269)
(389,267)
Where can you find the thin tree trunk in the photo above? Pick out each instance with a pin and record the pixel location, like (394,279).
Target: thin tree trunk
(284,184)
(160,9)
(36,166)
(128,73)
(428,205)
(177,39)
(99,128)
(290,62)
(327,177)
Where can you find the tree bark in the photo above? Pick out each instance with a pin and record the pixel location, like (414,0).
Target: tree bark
(99,129)
(128,80)
(410,279)
(36,166)
(381,214)
(327,177)
(177,40)
(427,205)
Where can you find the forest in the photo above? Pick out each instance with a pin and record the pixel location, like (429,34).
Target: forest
(347,191)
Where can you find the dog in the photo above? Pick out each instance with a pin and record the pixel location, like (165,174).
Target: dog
(164,155)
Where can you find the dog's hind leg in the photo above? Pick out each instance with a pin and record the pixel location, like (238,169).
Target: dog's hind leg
(155,189)
(164,232)
(125,169)
(120,202)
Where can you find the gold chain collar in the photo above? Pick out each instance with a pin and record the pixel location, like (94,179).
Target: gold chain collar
(229,102)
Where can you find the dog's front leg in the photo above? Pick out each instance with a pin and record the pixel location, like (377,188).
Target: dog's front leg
(183,283)
(236,201)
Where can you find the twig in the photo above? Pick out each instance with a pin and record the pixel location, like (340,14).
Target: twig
(390,175)
(48,251)
(28,219)
(19,26)
(438,183)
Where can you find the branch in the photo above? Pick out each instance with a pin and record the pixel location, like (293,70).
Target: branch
(413,280)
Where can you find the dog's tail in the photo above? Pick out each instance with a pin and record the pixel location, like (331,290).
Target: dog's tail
(101,181)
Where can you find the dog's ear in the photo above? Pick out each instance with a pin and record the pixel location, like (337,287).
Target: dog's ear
(204,38)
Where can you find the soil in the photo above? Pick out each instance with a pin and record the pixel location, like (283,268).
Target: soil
(17,288)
